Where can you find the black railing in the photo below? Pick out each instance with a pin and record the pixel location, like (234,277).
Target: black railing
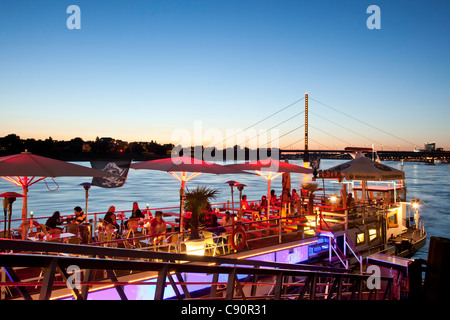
(258,279)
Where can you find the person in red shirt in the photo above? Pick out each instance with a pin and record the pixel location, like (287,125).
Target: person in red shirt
(158,227)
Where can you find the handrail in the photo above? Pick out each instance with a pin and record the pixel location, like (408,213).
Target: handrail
(310,286)
(358,256)
(420,231)
(88,250)
(281,225)
(338,252)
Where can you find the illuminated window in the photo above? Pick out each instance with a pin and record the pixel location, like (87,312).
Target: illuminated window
(372,234)
(392,220)
(360,238)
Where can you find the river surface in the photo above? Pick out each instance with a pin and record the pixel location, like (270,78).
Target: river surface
(429,183)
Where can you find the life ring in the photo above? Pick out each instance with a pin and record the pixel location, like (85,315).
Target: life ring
(238,238)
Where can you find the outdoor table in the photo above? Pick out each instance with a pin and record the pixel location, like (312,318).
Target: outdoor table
(54,236)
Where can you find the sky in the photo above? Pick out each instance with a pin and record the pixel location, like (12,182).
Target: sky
(171,71)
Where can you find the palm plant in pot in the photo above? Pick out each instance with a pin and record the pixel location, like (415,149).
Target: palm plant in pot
(196,201)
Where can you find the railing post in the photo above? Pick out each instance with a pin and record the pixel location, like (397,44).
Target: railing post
(346,219)
(161,283)
(213,290)
(278,285)
(47,283)
(230,285)
(279,229)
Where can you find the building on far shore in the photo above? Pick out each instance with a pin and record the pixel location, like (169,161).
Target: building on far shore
(429,146)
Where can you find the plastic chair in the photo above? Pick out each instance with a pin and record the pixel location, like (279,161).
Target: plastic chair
(44,228)
(211,244)
(173,242)
(133,224)
(72,228)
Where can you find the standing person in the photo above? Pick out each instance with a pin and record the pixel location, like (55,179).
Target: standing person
(295,202)
(158,227)
(273,198)
(80,216)
(54,221)
(285,201)
(110,217)
(350,203)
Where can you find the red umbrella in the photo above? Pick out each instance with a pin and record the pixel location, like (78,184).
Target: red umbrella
(25,169)
(273,168)
(183,165)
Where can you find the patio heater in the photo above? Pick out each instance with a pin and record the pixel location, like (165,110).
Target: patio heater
(10,197)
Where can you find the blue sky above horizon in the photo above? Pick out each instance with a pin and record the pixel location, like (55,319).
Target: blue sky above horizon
(141,70)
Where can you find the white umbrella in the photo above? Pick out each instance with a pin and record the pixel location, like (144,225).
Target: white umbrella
(363,169)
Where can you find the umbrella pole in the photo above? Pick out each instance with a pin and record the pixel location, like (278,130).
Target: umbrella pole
(268,198)
(181,209)
(9,219)
(24,209)
(5,211)
(232,199)
(87,196)
(25,203)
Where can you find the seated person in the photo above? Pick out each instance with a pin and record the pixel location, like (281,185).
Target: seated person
(238,221)
(136,214)
(263,205)
(244,203)
(227,222)
(80,216)
(54,221)
(158,227)
(110,217)
(216,228)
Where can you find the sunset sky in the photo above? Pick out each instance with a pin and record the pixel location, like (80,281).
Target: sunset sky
(147,70)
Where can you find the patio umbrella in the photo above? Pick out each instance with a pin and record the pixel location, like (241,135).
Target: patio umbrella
(25,169)
(179,167)
(364,169)
(273,168)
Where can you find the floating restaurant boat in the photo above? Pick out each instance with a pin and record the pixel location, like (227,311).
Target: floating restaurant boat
(320,236)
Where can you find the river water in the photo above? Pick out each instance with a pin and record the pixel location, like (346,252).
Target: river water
(429,183)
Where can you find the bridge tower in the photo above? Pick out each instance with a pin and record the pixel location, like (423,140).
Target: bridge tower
(306,154)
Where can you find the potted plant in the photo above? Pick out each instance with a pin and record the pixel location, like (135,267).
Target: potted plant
(196,202)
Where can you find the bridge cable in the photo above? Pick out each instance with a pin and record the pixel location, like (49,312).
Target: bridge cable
(276,126)
(414,144)
(337,124)
(284,134)
(273,114)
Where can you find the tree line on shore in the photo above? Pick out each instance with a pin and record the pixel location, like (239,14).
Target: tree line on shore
(77,149)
